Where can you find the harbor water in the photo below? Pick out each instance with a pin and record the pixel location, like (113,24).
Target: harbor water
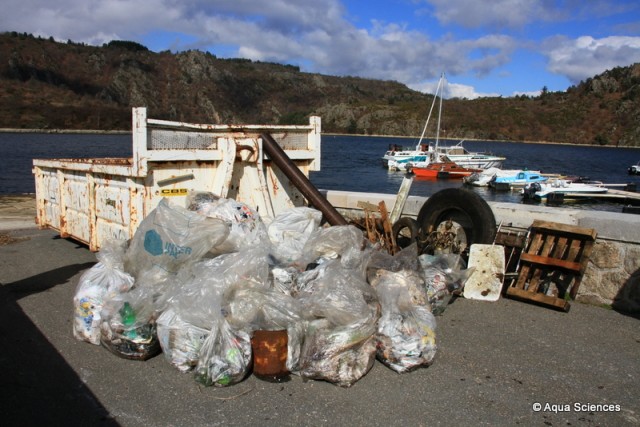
(349,163)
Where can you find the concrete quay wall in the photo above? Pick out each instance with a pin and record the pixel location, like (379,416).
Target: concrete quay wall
(613,272)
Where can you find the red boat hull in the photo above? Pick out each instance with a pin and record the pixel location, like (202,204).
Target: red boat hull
(443,170)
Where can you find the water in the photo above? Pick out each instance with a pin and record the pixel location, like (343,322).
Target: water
(348,163)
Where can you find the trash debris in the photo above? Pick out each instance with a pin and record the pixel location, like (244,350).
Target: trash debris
(223,295)
(99,284)
(485,283)
(406,335)
(445,276)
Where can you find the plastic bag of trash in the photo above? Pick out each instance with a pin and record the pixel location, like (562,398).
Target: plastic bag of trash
(405,259)
(405,337)
(336,293)
(225,356)
(342,309)
(180,341)
(338,354)
(290,230)
(128,326)
(343,242)
(246,227)
(170,237)
(284,279)
(100,283)
(444,276)
(267,309)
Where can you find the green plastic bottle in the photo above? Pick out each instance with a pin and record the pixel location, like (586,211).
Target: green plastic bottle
(127,314)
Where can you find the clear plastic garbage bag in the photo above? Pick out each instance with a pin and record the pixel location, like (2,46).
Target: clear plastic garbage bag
(180,341)
(170,237)
(405,336)
(343,242)
(100,283)
(267,309)
(245,225)
(225,356)
(128,326)
(444,276)
(338,354)
(342,309)
(290,230)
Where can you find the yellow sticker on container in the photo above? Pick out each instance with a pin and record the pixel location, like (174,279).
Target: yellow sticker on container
(167,192)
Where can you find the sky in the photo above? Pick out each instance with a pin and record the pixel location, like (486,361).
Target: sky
(483,47)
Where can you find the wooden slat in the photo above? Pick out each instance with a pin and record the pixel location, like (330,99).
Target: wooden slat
(556,227)
(539,298)
(545,249)
(549,261)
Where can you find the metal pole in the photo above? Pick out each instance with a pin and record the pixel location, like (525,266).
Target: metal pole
(311,193)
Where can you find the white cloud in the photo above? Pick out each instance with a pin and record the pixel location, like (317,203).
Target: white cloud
(533,94)
(452,90)
(584,57)
(500,13)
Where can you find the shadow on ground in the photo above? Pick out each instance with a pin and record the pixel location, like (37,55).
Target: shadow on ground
(38,386)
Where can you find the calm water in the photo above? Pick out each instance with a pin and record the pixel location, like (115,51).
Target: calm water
(348,163)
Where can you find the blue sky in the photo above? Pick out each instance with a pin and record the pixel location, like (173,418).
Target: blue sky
(485,47)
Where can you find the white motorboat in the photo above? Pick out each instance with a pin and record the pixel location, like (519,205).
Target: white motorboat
(568,189)
(468,159)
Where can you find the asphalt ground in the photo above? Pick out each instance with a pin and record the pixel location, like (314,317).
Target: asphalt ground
(498,363)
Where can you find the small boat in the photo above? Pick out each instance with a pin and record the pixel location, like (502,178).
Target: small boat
(563,187)
(518,178)
(405,164)
(483,178)
(457,153)
(444,169)
(634,169)
(398,154)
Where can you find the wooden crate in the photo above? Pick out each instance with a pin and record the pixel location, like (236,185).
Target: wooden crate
(552,263)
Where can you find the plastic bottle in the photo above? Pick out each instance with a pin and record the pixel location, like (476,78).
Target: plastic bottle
(127,314)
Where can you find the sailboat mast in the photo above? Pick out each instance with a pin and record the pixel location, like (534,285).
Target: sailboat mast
(424,130)
(440,110)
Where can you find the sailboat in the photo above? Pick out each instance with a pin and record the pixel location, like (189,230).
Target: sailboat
(439,165)
(397,158)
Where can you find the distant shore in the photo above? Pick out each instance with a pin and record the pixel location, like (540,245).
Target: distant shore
(75,131)
(128,132)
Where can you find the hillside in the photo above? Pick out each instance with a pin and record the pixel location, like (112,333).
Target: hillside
(49,85)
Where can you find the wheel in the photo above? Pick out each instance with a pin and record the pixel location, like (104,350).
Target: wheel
(405,231)
(472,217)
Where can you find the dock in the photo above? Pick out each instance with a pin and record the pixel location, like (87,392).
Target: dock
(612,195)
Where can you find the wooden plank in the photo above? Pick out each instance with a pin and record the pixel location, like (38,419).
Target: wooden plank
(546,248)
(560,250)
(556,227)
(549,261)
(558,303)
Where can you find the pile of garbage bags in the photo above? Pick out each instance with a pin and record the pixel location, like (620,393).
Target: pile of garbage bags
(195,283)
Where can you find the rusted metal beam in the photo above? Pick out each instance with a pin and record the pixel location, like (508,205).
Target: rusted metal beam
(311,193)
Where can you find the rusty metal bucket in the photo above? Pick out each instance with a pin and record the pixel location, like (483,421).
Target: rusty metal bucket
(270,350)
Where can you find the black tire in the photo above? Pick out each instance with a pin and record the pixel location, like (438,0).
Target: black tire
(405,231)
(463,207)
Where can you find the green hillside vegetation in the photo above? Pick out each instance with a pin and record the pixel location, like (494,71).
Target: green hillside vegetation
(45,84)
